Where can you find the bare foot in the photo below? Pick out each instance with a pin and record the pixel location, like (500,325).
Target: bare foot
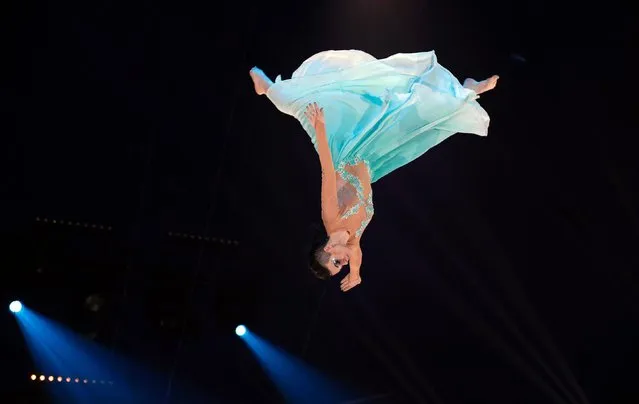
(260,81)
(482,86)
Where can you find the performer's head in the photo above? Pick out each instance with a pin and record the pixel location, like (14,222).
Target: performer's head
(327,260)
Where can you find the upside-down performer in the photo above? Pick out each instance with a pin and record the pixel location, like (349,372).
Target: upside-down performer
(366,118)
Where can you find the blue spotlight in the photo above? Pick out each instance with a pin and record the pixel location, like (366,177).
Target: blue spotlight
(240,330)
(15,306)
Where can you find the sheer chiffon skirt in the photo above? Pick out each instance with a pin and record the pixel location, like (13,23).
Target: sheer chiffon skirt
(386,112)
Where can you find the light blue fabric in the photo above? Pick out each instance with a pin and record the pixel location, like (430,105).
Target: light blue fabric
(386,112)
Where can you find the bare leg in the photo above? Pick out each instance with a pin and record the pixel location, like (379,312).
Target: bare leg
(482,86)
(260,80)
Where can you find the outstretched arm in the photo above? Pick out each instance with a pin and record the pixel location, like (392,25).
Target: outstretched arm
(330,210)
(353,278)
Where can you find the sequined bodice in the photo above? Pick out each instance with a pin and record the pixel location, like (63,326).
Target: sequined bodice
(355,198)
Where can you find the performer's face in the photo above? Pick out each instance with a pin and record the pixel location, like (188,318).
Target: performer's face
(338,256)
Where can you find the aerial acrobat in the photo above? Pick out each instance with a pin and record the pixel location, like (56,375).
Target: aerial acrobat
(368,117)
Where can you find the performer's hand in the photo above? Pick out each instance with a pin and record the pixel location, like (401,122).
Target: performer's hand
(350,281)
(314,114)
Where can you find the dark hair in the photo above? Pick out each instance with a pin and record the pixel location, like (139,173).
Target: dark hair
(320,238)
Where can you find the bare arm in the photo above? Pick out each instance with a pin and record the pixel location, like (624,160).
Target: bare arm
(355,263)
(353,278)
(330,210)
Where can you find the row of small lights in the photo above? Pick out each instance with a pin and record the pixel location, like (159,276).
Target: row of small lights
(109,228)
(60,379)
(204,238)
(75,224)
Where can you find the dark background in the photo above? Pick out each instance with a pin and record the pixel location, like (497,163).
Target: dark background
(497,270)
